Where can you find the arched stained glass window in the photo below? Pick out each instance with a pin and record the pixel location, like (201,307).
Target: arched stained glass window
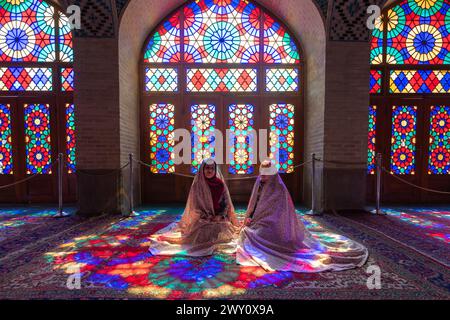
(223,63)
(409,82)
(36,61)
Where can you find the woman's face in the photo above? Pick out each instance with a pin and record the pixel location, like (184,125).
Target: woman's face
(264,178)
(210,171)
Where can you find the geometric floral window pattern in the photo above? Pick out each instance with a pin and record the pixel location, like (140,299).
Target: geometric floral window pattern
(203,122)
(282,124)
(221,80)
(37,138)
(410,56)
(5,140)
(71,139)
(371,160)
(241,122)
(36,47)
(439,156)
(210,47)
(403,144)
(162,125)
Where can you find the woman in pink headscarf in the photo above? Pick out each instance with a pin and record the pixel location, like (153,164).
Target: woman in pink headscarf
(275,238)
(208,223)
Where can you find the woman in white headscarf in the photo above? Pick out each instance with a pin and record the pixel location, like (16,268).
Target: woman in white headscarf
(209,222)
(275,238)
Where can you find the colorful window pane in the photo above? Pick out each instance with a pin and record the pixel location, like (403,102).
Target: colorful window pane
(439,157)
(282,125)
(221,31)
(371,158)
(418,32)
(221,80)
(203,123)
(27,31)
(282,80)
(37,138)
(279,46)
(241,122)
(162,125)
(6,159)
(376,48)
(161,80)
(71,138)
(375,81)
(420,81)
(67,79)
(65,40)
(25,79)
(403,142)
(165,44)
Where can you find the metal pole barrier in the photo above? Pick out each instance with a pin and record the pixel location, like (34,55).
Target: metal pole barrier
(131,185)
(313,184)
(61,213)
(379,173)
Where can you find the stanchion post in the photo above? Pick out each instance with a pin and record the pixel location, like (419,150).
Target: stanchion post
(313,184)
(378,195)
(131,185)
(61,212)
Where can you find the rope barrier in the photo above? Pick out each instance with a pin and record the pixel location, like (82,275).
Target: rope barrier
(228,179)
(104,174)
(25,179)
(414,185)
(342,162)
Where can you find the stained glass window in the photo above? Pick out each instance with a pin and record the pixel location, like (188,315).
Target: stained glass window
(371,158)
(203,123)
(279,46)
(161,80)
(240,123)
(282,125)
(65,40)
(411,46)
(36,47)
(420,81)
(6,159)
(403,142)
(25,79)
(71,139)
(221,80)
(217,47)
(165,44)
(162,125)
(376,52)
(67,79)
(221,32)
(418,32)
(282,80)
(439,155)
(37,138)
(375,81)
(27,31)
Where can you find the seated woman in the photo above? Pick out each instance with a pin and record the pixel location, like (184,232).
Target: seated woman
(274,237)
(208,223)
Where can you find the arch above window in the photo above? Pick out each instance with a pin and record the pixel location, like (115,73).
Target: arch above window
(212,31)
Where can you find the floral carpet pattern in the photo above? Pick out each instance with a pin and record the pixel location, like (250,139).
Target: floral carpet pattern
(110,256)
(425,229)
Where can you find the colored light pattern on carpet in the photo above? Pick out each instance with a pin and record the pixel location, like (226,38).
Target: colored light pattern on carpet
(117,258)
(17,217)
(435,222)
